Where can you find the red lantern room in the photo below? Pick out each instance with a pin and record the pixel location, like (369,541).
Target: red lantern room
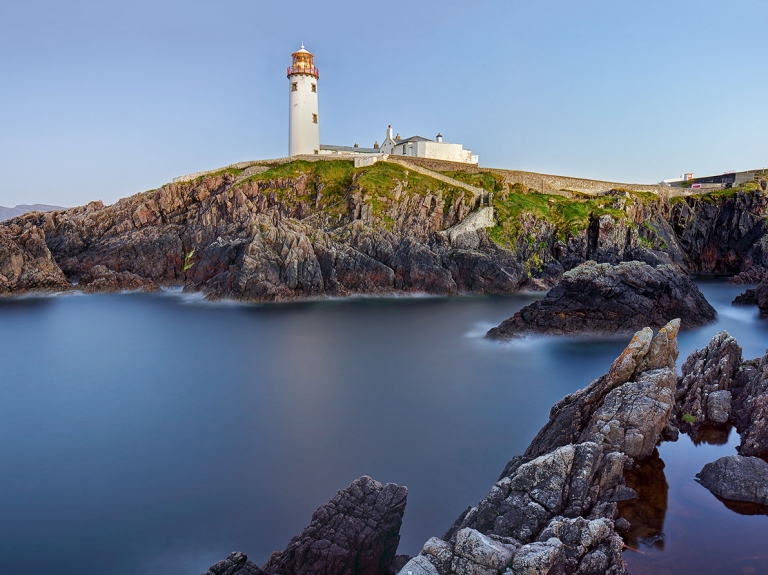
(303,63)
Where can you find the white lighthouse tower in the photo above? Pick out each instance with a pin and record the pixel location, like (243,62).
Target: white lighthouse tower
(303,121)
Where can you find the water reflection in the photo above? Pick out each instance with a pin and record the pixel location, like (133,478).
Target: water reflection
(646,513)
(712,435)
(744,508)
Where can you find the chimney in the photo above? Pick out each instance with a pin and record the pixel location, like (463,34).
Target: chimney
(376,145)
(397,138)
(439,137)
(389,131)
(356,146)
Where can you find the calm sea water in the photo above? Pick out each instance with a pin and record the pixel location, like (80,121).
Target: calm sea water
(154,434)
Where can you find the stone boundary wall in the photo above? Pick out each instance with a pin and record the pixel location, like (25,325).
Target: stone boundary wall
(551,184)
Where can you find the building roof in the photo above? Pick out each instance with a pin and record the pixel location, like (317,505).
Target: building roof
(349,149)
(302,50)
(413,139)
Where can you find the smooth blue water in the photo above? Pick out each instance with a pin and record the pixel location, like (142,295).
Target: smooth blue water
(157,433)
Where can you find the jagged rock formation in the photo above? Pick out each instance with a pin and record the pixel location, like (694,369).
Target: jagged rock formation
(737,478)
(355,533)
(718,387)
(753,275)
(605,299)
(703,393)
(757,296)
(722,235)
(99,279)
(325,228)
(236,564)
(8,213)
(26,262)
(553,508)
(750,407)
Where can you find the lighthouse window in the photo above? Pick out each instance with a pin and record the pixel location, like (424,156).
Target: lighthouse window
(314,118)
(314,87)
(294,86)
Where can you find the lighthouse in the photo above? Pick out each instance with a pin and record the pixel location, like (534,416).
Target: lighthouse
(303,121)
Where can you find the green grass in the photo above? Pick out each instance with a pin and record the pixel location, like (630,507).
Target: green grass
(233,171)
(688,418)
(565,214)
(333,179)
(188,260)
(648,243)
(716,195)
(380,180)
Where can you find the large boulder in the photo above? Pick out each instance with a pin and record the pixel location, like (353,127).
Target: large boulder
(737,478)
(355,533)
(608,299)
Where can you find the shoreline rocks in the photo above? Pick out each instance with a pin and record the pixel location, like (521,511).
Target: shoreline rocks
(304,231)
(606,299)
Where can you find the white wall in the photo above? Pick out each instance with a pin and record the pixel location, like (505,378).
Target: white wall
(436,151)
(303,133)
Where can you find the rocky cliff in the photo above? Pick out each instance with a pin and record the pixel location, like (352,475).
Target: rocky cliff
(311,229)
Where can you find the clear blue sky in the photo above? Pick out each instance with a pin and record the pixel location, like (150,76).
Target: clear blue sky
(102,99)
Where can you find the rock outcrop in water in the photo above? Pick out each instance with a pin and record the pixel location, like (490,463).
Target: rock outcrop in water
(552,510)
(311,229)
(718,387)
(737,478)
(355,533)
(606,299)
(757,296)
